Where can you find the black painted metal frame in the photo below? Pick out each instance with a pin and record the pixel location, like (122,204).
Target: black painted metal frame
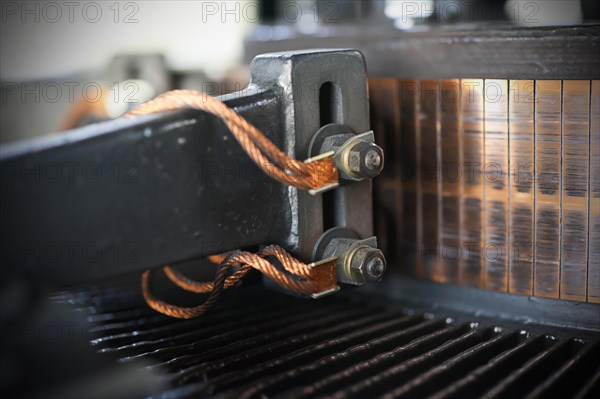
(482,51)
(133,194)
(540,314)
(121,196)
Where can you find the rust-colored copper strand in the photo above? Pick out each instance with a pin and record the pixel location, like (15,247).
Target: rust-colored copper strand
(297,276)
(273,161)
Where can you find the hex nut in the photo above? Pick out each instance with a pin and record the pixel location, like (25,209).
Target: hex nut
(375,268)
(368,263)
(365,160)
(358,261)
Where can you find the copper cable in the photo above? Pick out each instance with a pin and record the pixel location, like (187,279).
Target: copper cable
(185,312)
(82,109)
(256,261)
(274,162)
(202,287)
(298,277)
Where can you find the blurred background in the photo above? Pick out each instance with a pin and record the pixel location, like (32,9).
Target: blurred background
(64,64)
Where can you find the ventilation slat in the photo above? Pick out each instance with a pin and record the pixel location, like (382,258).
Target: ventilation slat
(374,365)
(299,363)
(524,379)
(205,340)
(174,338)
(591,389)
(157,320)
(404,371)
(308,333)
(566,380)
(175,326)
(271,345)
(122,316)
(192,362)
(453,368)
(337,360)
(476,382)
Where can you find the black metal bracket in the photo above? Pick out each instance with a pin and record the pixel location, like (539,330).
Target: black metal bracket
(129,195)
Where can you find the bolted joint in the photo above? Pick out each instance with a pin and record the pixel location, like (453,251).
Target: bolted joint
(359,158)
(356,156)
(368,263)
(365,160)
(358,261)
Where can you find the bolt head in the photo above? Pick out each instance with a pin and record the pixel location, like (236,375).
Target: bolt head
(369,263)
(366,160)
(372,160)
(375,268)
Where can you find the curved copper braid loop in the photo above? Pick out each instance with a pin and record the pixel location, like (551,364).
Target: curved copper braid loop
(285,280)
(184,312)
(259,148)
(290,263)
(202,287)
(250,260)
(298,277)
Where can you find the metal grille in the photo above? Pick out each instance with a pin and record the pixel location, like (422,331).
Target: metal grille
(491,183)
(258,343)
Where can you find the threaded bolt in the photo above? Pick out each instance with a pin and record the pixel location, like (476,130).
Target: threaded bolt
(365,160)
(375,268)
(372,160)
(368,263)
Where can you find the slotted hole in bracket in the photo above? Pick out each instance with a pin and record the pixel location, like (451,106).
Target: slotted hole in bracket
(330,111)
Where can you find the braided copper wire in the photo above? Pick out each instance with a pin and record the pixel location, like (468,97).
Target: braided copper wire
(290,281)
(260,149)
(289,263)
(298,277)
(185,312)
(203,287)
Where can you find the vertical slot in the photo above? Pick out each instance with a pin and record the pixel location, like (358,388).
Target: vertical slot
(330,111)
(330,104)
